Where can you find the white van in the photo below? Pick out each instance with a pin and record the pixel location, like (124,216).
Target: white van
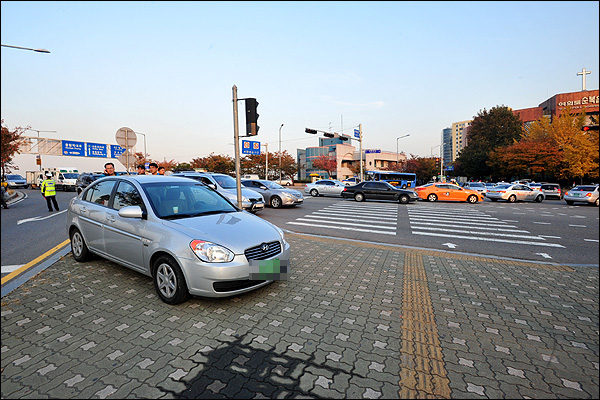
(250,176)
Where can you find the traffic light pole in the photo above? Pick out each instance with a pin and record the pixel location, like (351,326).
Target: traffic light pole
(236,141)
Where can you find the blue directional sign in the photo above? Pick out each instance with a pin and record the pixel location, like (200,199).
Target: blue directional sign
(70,148)
(116,150)
(250,147)
(357,133)
(372,151)
(96,150)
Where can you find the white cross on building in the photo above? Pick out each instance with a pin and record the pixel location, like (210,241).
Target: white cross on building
(583,73)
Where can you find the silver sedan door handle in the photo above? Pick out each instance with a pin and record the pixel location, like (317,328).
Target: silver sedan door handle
(110,218)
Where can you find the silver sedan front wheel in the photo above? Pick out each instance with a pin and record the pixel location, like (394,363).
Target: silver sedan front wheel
(169,281)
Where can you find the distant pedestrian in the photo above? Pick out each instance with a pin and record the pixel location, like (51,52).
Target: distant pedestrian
(153,168)
(109,169)
(141,169)
(3,202)
(49,192)
(161,170)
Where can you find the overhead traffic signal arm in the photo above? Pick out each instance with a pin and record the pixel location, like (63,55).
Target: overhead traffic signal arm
(326,134)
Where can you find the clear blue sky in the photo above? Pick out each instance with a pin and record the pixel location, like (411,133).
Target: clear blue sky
(167,69)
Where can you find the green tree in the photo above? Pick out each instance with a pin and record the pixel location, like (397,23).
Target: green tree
(489,130)
(423,167)
(9,146)
(215,163)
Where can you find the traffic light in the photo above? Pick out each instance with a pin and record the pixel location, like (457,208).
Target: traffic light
(327,134)
(311,131)
(437,162)
(589,128)
(343,138)
(251,117)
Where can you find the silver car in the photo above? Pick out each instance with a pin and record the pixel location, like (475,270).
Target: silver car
(512,193)
(479,186)
(227,186)
(330,187)
(190,239)
(274,194)
(582,194)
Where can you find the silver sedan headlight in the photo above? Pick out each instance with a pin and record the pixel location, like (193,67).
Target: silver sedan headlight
(280,231)
(210,252)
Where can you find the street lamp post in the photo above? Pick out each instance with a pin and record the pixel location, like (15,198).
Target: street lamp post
(38,142)
(397,154)
(280,153)
(27,48)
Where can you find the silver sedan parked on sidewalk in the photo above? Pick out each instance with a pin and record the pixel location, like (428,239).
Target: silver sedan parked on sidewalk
(180,232)
(330,187)
(274,194)
(512,193)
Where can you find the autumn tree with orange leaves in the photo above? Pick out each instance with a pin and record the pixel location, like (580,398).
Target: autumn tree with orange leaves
(551,150)
(9,146)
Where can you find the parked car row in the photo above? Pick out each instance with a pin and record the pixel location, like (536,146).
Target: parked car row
(471,192)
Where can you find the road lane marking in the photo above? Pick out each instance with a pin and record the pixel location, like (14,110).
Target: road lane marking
(543,255)
(10,268)
(488,239)
(542,223)
(391,218)
(578,226)
(346,223)
(33,262)
(346,219)
(472,227)
(463,231)
(590,240)
(343,228)
(40,218)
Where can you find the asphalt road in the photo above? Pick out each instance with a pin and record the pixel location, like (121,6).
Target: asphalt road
(550,231)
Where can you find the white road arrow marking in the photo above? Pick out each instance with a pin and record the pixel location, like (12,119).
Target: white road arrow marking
(543,255)
(450,245)
(22,221)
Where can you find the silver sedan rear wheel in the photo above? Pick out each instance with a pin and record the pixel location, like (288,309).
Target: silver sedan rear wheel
(314,192)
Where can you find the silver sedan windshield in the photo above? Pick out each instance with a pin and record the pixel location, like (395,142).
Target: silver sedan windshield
(184,200)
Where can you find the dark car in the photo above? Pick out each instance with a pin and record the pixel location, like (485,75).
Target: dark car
(85,178)
(379,191)
(552,191)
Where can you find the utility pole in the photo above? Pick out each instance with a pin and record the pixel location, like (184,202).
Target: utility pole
(280,153)
(361,153)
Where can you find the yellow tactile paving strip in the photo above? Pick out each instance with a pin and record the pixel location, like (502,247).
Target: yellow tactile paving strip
(422,373)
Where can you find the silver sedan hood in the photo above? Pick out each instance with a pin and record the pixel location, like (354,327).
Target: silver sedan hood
(237,230)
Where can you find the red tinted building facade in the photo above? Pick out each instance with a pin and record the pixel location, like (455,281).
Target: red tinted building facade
(578,101)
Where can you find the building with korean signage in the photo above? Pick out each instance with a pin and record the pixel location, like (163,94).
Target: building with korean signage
(585,100)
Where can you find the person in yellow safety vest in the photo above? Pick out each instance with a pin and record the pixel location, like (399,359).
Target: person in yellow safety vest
(49,191)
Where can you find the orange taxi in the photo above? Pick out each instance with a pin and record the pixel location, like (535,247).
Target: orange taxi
(448,192)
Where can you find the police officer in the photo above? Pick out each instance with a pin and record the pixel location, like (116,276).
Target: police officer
(49,191)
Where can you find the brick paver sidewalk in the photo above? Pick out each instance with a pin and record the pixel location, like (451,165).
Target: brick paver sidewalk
(353,321)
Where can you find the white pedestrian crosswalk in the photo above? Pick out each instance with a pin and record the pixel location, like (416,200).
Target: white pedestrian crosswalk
(424,220)
(372,218)
(471,225)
